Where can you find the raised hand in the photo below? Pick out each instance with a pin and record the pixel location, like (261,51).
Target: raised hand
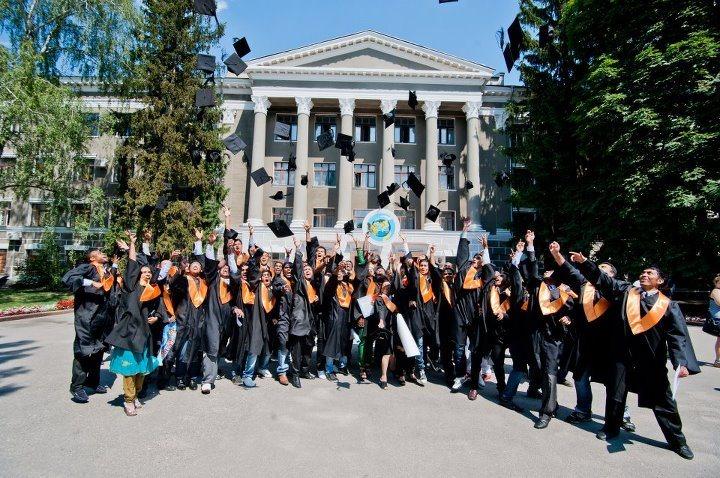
(132,236)
(530,237)
(484,241)
(296,243)
(122,244)
(212,237)
(520,246)
(198,234)
(175,253)
(147,235)
(288,251)
(554,248)
(577,257)
(431,250)
(307,226)
(226,211)
(466,223)
(250,230)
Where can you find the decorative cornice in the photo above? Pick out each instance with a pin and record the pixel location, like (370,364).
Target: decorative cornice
(431,108)
(262,103)
(501,116)
(472,109)
(304,105)
(347,106)
(255,71)
(387,105)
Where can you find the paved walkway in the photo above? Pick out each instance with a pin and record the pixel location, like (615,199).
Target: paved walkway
(322,430)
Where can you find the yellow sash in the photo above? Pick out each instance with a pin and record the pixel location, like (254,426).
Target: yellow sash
(548,306)
(167,300)
(648,321)
(248,296)
(470,282)
(225,295)
(312,295)
(498,307)
(106,280)
(593,311)
(197,294)
(426,290)
(150,292)
(344,294)
(268,301)
(447,293)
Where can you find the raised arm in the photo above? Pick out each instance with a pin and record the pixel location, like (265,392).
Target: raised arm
(567,274)
(609,287)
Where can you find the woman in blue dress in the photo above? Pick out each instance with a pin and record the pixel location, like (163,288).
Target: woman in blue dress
(714,311)
(131,338)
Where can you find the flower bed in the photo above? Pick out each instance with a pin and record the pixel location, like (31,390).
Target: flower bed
(63,304)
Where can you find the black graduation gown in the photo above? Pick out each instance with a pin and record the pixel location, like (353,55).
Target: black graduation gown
(284,301)
(649,350)
(470,322)
(90,310)
(337,320)
(387,334)
(303,313)
(422,319)
(215,311)
(318,325)
(447,322)
(190,318)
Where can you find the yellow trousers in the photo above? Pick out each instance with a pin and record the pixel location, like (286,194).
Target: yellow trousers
(132,386)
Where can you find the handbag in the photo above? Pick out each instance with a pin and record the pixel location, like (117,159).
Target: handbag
(711,326)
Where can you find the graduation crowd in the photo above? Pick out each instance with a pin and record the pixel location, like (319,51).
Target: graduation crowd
(175,320)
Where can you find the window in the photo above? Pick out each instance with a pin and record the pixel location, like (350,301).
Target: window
(14,245)
(446,131)
(4,213)
(79,212)
(283,176)
(122,125)
(401,174)
(406,218)
(84,169)
(359,217)
(447,220)
(405,130)
(325,175)
(116,173)
(282,213)
(447,176)
(323,217)
(92,120)
(292,121)
(325,123)
(37,214)
(364,176)
(365,129)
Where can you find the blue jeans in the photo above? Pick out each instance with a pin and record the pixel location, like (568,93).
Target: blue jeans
(419,359)
(250,364)
(584,394)
(329,364)
(513,382)
(283,365)
(460,360)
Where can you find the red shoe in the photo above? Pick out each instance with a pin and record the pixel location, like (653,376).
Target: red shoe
(472,394)
(488,377)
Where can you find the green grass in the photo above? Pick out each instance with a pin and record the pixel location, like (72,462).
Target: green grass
(17,298)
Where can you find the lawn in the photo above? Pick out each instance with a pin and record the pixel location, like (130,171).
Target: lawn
(18,298)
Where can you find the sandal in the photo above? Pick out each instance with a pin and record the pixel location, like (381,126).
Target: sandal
(717,364)
(363,376)
(129,408)
(138,404)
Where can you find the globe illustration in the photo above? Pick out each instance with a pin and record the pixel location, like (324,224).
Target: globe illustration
(380,228)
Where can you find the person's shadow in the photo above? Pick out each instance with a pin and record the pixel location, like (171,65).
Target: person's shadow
(625,438)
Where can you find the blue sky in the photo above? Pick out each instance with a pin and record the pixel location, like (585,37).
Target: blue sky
(465,28)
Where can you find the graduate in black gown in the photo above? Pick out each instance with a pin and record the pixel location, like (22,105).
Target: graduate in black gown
(319,260)
(654,327)
(337,313)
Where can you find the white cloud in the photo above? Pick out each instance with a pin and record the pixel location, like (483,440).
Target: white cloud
(222,5)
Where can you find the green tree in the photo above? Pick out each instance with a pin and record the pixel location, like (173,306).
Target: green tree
(158,157)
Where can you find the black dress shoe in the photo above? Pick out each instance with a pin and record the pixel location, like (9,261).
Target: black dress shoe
(543,422)
(605,435)
(307,376)
(295,381)
(628,426)
(181,385)
(684,451)
(193,385)
(80,396)
(100,389)
(578,417)
(344,371)
(331,376)
(511,405)
(383,385)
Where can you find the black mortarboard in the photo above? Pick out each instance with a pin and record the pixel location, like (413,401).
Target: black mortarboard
(213,155)
(351,156)
(280,228)
(414,183)
(292,162)
(231,234)
(195,156)
(184,193)
(469,185)
(392,188)
(349,227)
(412,100)
(345,143)
(392,151)
(507,54)
(205,7)
(501,178)
(383,199)
(404,203)
(260,176)
(448,158)
(432,213)
(205,97)
(205,63)
(279,196)
(146,211)
(515,36)
(304,179)
(234,143)
(389,118)
(544,36)
(162,202)
(241,47)
(235,64)
(447,1)
(282,130)
(325,140)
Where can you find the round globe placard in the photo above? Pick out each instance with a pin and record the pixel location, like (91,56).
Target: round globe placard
(383,226)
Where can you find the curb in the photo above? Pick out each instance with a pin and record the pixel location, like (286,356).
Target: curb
(36,315)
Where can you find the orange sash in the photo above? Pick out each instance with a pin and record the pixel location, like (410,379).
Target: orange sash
(344,294)
(168,301)
(150,292)
(106,280)
(248,296)
(268,301)
(593,312)
(312,295)
(653,316)
(173,270)
(547,306)
(389,304)
(426,290)
(470,281)
(225,295)
(447,293)
(497,306)
(197,294)
(372,288)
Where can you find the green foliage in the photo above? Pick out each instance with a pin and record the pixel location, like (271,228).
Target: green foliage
(622,106)
(164,133)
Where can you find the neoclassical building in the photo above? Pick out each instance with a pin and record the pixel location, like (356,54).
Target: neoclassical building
(344,85)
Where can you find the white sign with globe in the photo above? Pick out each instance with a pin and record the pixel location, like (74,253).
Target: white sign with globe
(382,225)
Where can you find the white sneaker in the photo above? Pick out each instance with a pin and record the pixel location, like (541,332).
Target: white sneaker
(321,374)
(205,388)
(265,373)
(457,384)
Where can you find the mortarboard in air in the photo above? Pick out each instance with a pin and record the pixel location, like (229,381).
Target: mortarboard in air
(392,150)
(195,156)
(213,155)
(282,130)
(184,193)
(432,213)
(231,234)
(162,202)
(205,63)
(351,156)
(234,64)
(241,47)
(146,211)
(349,227)
(205,97)
(260,176)
(507,54)
(234,143)
(447,1)
(383,199)
(292,162)
(412,100)
(279,196)
(345,143)
(392,188)
(515,37)
(325,140)
(404,202)
(414,183)
(469,185)
(205,7)
(448,158)
(280,228)
(501,179)
(545,34)
(389,118)
(304,179)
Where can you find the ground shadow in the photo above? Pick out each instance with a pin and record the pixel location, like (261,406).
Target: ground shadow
(617,445)
(107,378)
(9,351)
(8,355)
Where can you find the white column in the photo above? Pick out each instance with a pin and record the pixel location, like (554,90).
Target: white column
(472,113)
(432,176)
(255,206)
(300,192)
(345,168)
(388,161)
